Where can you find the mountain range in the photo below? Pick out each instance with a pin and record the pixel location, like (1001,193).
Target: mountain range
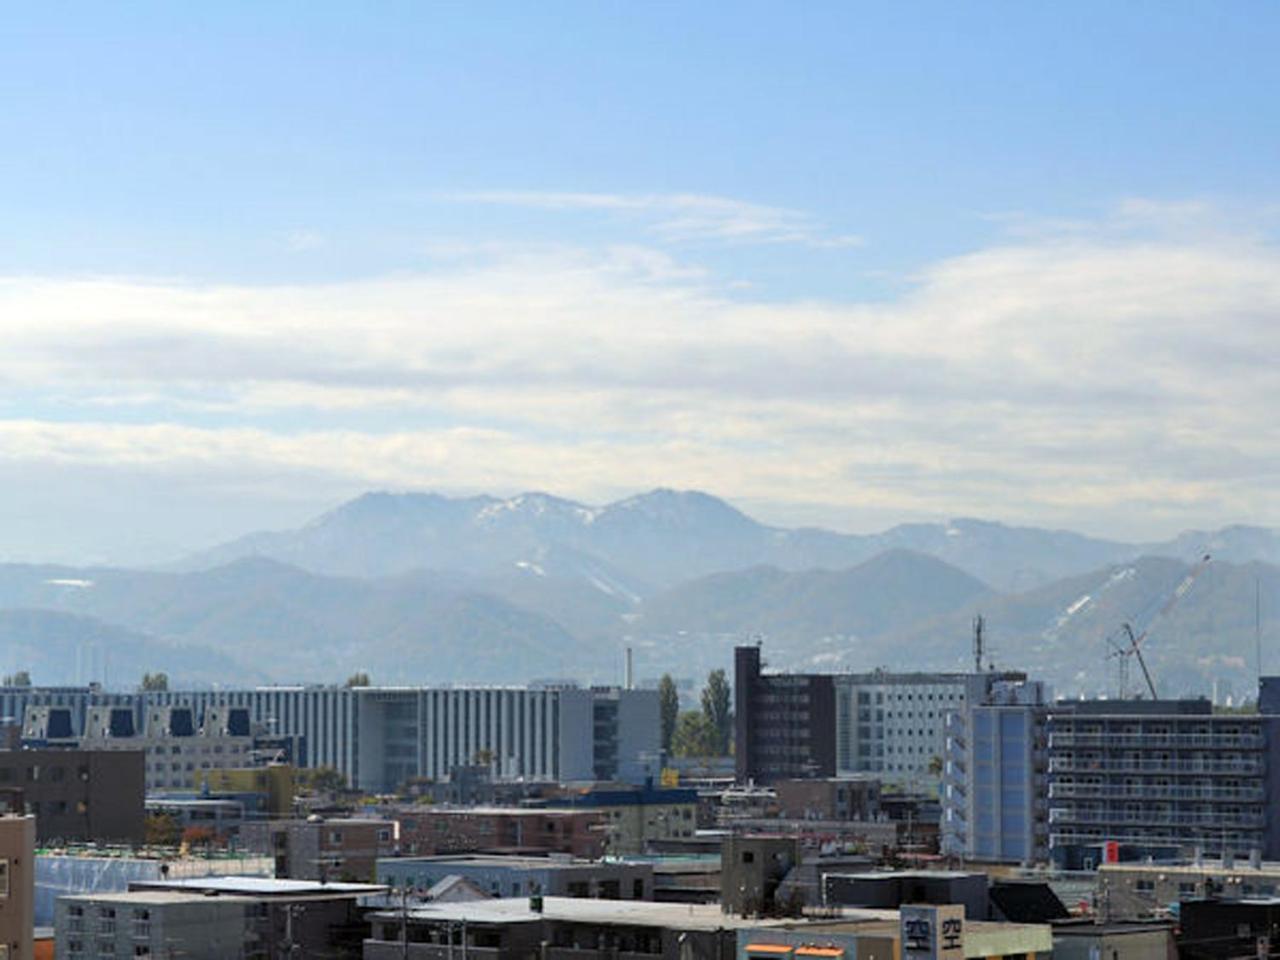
(425,588)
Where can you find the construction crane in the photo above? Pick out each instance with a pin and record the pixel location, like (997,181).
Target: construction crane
(1135,640)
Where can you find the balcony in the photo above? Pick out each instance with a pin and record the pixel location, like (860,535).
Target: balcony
(1148,741)
(1149,791)
(1245,821)
(1061,764)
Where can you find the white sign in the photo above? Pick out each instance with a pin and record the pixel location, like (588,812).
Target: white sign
(932,933)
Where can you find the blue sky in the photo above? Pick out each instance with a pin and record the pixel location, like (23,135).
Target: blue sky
(239,237)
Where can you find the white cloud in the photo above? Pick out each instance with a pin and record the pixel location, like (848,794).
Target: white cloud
(1122,386)
(683,216)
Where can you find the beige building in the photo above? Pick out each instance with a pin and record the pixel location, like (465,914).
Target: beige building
(1128,890)
(17,886)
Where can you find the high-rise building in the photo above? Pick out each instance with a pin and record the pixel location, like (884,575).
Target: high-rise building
(1163,776)
(994,804)
(784,724)
(894,725)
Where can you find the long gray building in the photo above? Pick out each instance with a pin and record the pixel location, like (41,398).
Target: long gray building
(379,737)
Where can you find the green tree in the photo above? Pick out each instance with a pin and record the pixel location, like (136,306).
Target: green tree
(322,779)
(358,679)
(717,707)
(155,681)
(694,736)
(669,707)
(19,679)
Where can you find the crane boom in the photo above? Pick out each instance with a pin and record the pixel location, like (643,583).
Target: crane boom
(1180,591)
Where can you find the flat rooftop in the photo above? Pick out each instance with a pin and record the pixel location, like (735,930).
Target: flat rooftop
(985,937)
(491,811)
(487,861)
(154,898)
(1205,866)
(263,887)
(632,913)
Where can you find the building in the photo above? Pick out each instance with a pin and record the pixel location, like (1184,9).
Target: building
(995,776)
(1087,939)
(431,831)
(1212,929)
(207,820)
(634,819)
(1141,889)
(752,870)
(78,795)
(784,723)
(557,928)
(889,890)
(894,725)
(159,923)
(524,876)
(102,869)
(319,848)
(1155,775)
(214,919)
(891,725)
(274,784)
(178,742)
(17,884)
(831,798)
(379,738)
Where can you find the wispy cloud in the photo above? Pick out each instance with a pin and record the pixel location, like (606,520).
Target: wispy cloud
(683,216)
(1122,385)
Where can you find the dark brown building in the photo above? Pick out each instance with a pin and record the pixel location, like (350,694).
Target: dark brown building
(345,849)
(426,831)
(78,795)
(784,724)
(841,798)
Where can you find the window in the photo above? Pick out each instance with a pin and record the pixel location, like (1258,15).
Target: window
(1145,886)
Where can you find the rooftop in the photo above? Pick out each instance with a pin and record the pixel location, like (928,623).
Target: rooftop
(491,861)
(152,897)
(262,887)
(1190,867)
(634,913)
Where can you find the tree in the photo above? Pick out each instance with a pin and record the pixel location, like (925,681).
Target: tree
(694,736)
(162,830)
(322,779)
(669,708)
(19,679)
(358,679)
(717,707)
(195,836)
(155,681)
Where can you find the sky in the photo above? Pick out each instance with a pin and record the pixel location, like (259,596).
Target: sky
(841,264)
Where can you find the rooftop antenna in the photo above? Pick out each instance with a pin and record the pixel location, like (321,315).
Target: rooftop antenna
(1257,628)
(979,626)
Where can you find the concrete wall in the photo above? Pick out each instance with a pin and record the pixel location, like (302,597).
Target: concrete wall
(577,759)
(639,735)
(17,907)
